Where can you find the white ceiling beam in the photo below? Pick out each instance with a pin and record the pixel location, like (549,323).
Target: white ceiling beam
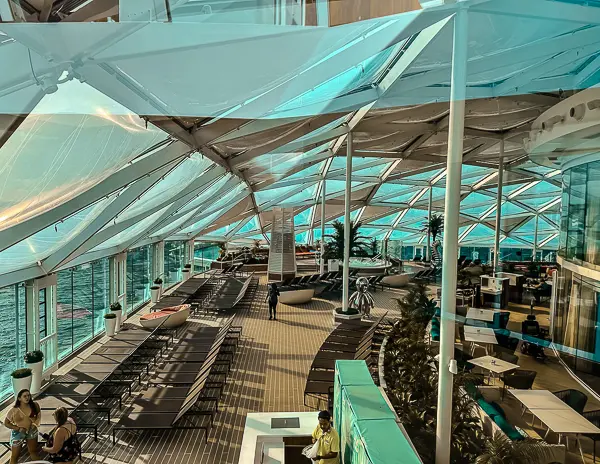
(120,203)
(115,182)
(541,49)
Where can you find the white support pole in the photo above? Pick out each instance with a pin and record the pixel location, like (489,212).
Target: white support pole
(428,222)
(323,201)
(347,224)
(451,220)
(499,207)
(535,237)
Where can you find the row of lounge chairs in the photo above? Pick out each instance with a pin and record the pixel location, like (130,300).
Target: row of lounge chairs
(184,393)
(109,376)
(327,282)
(106,377)
(232,291)
(350,340)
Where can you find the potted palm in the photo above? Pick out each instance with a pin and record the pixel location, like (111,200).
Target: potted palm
(435,227)
(186,272)
(35,362)
(117,310)
(159,282)
(21,380)
(110,323)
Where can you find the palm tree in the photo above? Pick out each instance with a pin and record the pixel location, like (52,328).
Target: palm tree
(435,226)
(335,247)
(374,246)
(502,450)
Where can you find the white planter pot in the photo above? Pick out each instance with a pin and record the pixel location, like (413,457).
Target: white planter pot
(155,295)
(160,290)
(185,274)
(21,384)
(119,318)
(110,326)
(36,375)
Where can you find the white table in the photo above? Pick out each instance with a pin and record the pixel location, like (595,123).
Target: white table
(481,314)
(554,413)
(539,399)
(495,365)
(482,335)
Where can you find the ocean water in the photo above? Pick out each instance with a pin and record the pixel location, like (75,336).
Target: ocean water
(82,300)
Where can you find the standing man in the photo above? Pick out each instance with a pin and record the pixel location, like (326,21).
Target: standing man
(329,441)
(273,298)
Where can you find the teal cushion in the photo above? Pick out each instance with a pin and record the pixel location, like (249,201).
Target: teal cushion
(472,390)
(509,430)
(435,323)
(438,312)
(435,334)
(488,408)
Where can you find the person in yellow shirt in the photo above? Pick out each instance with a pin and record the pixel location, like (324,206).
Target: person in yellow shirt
(329,441)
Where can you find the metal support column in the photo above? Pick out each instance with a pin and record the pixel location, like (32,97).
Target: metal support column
(499,207)
(429,222)
(347,224)
(535,237)
(323,200)
(451,220)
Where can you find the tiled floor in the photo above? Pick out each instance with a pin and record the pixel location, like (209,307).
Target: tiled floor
(269,374)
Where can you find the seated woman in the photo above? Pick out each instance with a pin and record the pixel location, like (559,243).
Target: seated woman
(23,420)
(62,443)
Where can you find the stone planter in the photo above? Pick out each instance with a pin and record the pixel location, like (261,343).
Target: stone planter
(36,375)
(339,318)
(110,325)
(119,319)
(23,383)
(185,273)
(154,294)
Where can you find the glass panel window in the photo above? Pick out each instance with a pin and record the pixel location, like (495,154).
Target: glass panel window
(64,312)
(12,334)
(592,215)
(43,310)
(138,277)
(82,316)
(100,293)
(576,218)
(174,261)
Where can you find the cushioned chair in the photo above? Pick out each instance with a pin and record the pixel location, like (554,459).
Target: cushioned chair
(506,343)
(519,378)
(511,358)
(574,398)
(594,418)
(496,414)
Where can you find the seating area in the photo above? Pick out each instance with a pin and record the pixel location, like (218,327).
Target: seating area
(350,340)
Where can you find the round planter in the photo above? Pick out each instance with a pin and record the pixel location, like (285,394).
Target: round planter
(36,375)
(185,274)
(155,295)
(160,291)
(119,319)
(21,384)
(110,326)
